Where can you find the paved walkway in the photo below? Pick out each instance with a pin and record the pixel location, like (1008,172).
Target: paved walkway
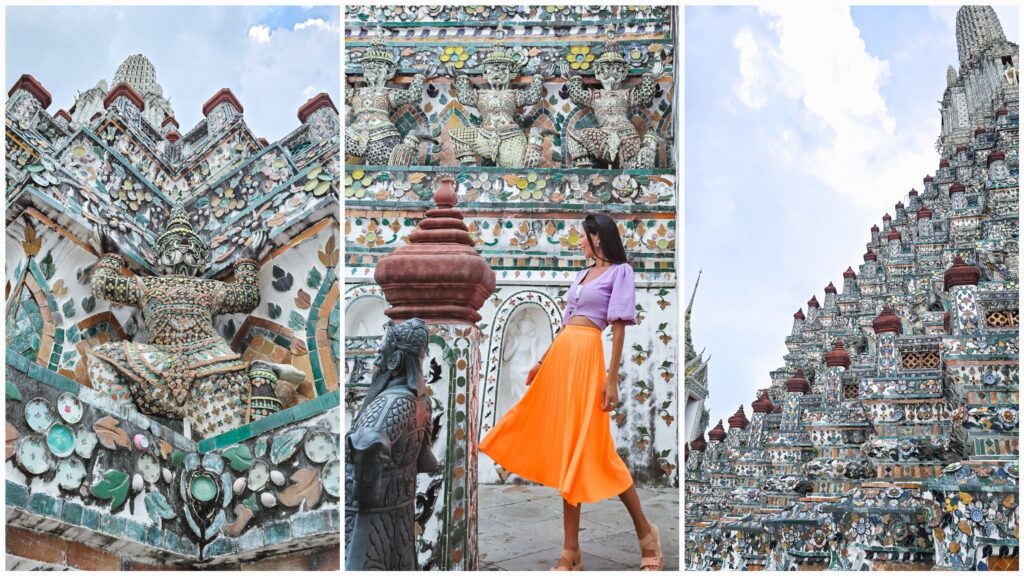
(521,529)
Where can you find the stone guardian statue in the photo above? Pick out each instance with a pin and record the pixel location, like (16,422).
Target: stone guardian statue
(616,141)
(187,371)
(372,135)
(387,446)
(499,138)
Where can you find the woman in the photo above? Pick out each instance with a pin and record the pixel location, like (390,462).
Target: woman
(559,434)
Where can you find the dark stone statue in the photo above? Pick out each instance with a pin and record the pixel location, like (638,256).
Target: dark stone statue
(388,445)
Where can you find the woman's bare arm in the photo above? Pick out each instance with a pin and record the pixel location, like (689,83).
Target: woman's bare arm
(610,396)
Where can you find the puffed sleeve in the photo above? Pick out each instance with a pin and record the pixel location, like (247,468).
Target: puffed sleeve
(622,303)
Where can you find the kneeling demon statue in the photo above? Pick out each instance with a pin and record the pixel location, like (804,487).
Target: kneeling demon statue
(187,371)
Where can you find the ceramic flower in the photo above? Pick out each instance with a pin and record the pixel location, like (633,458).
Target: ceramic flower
(861,527)
(356,183)
(624,187)
(454,55)
(976,513)
(531,187)
(637,55)
(579,57)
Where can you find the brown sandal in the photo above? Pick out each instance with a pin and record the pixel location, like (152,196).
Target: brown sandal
(652,541)
(573,558)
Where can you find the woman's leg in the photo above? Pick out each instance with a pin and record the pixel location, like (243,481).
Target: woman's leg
(571,525)
(636,512)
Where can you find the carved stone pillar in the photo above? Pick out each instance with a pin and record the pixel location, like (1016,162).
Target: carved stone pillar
(127,101)
(961,282)
(221,110)
(887,326)
(440,278)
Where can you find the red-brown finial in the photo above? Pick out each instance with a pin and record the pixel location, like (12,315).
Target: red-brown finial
(837,356)
(798,383)
(961,274)
(739,419)
(887,321)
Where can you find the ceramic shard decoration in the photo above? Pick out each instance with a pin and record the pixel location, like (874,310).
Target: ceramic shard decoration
(172,308)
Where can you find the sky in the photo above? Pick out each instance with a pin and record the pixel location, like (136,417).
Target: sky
(272,58)
(804,125)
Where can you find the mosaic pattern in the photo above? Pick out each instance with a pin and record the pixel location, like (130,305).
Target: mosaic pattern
(192,499)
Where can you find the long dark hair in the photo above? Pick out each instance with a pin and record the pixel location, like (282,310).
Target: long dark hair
(608,234)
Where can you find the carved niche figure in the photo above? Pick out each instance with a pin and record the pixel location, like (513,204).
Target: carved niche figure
(371,135)
(499,138)
(187,371)
(616,140)
(519,353)
(388,445)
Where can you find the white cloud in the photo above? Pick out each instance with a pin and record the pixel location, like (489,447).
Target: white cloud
(750,88)
(260,34)
(310,91)
(815,55)
(318,23)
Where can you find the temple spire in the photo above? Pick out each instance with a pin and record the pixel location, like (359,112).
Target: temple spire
(977,28)
(690,353)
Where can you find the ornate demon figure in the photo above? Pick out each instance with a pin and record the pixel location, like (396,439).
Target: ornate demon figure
(187,371)
(388,445)
(499,138)
(371,135)
(616,140)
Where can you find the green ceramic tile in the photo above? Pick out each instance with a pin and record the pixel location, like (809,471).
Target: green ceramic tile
(171,541)
(45,505)
(154,536)
(276,532)
(311,523)
(16,495)
(189,548)
(251,539)
(219,547)
(113,525)
(135,531)
(72,513)
(91,518)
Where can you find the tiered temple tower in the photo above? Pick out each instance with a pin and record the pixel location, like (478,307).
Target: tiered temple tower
(890,437)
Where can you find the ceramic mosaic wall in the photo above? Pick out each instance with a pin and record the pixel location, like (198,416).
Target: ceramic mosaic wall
(890,437)
(165,499)
(527,222)
(67,173)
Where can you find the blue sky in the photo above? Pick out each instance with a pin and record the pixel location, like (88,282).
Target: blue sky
(272,58)
(804,126)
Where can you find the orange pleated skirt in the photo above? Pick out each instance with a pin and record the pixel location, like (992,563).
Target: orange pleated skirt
(557,434)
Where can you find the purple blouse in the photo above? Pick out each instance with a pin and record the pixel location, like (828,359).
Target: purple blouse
(611,297)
